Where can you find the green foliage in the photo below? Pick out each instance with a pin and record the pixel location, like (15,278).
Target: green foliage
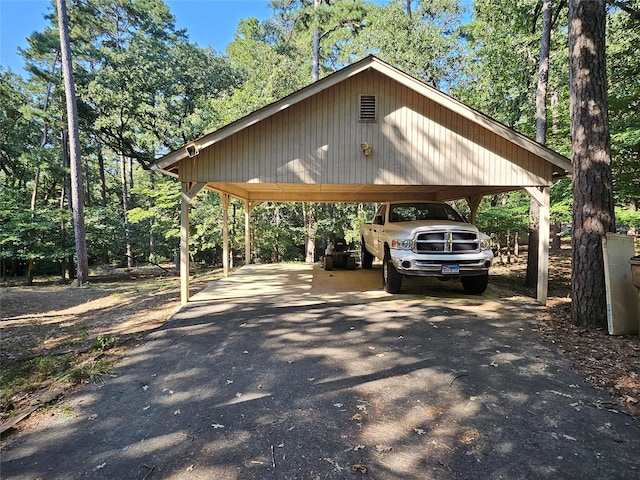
(561,202)
(31,235)
(501,71)
(627,219)
(504,213)
(276,232)
(624,104)
(104,342)
(423,42)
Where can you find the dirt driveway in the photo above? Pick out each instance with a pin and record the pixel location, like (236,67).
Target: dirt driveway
(290,372)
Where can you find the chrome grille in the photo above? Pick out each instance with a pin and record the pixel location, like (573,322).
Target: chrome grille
(446,241)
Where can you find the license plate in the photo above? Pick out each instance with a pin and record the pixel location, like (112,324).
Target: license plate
(450,269)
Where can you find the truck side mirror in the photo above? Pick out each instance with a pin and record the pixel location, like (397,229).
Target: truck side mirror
(377,220)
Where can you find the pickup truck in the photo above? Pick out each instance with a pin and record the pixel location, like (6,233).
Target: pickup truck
(428,239)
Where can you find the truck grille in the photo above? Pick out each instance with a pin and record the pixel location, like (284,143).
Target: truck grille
(446,241)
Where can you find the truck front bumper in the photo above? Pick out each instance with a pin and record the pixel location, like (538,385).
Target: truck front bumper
(408,263)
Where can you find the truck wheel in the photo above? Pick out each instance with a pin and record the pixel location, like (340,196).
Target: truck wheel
(391,279)
(475,285)
(367,258)
(328,262)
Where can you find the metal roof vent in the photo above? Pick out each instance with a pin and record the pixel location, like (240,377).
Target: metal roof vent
(367,108)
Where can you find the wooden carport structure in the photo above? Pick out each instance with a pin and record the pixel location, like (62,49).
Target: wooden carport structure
(367,133)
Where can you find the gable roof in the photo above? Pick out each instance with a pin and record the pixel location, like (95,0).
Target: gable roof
(561,164)
(307,146)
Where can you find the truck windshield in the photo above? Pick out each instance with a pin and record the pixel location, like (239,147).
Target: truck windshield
(409,212)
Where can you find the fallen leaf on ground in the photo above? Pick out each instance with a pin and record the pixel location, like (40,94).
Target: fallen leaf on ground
(335,464)
(420,431)
(470,436)
(383,448)
(357,417)
(358,468)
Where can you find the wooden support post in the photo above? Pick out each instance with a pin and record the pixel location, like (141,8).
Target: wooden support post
(184,244)
(189,191)
(225,199)
(247,233)
(541,195)
(474,202)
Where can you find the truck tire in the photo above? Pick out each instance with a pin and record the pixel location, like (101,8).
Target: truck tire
(391,279)
(328,262)
(475,285)
(367,258)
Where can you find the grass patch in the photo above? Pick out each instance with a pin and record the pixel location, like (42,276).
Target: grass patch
(89,371)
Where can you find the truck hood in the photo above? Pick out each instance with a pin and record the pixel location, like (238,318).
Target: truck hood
(409,229)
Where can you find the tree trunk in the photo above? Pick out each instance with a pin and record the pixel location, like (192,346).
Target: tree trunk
(593,214)
(315,68)
(125,209)
(34,196)
(64,192)
(74,144)
(103,194)
(130,165)
(103,181)
(309,221)
(152,242)
(531,279)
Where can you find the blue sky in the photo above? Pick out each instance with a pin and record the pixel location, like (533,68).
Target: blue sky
(208,22)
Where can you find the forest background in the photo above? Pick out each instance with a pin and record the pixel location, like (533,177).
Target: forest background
(135,105)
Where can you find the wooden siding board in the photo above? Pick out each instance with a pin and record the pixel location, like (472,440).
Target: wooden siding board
(415,141)
(429,132)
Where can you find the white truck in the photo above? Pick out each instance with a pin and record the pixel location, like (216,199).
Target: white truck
(427,239)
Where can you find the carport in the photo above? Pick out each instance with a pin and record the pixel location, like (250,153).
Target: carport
(367,133)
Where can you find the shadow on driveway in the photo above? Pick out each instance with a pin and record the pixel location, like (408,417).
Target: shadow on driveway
(271,374)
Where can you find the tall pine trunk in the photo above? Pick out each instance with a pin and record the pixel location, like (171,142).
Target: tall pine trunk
(593,214)
(74,145)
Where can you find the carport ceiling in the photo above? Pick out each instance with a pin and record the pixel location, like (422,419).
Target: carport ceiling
(310,146)
(292,192)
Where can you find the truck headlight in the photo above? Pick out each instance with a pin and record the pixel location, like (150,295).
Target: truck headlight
(401,244)
(484,243)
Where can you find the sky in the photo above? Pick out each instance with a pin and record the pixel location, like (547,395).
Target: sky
(208,23)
